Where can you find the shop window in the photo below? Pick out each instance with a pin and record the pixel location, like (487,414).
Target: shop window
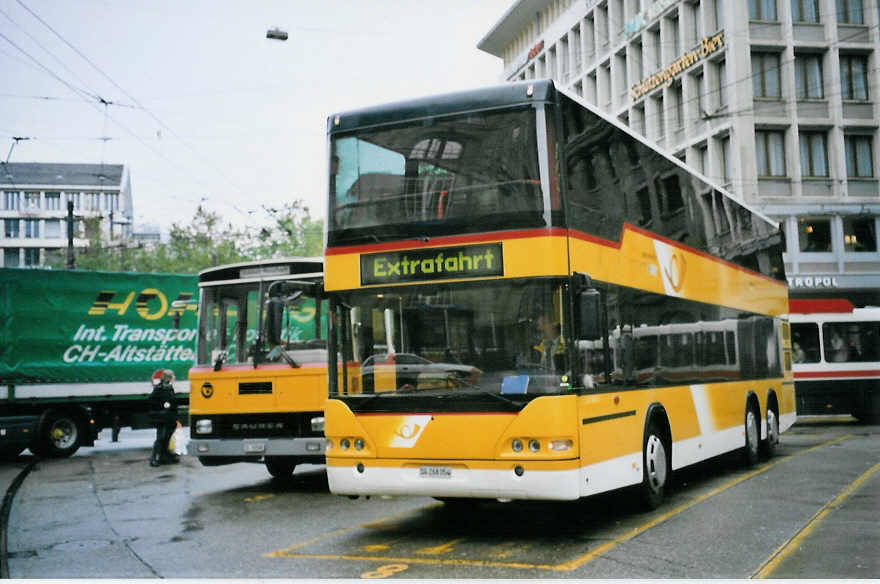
(814,234)
(859,234)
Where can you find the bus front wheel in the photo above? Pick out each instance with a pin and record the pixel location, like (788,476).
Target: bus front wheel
(655,467)
(280,467)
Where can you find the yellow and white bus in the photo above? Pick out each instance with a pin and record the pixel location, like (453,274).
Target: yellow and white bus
(530,302)
(259,384)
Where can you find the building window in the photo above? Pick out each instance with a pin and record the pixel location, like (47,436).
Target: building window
(770,150)
(814,154)
(53,201)
(31,256)
(678,104)
(854,77)
(808,76)
(719,14)
(701,95)
(762,9)
(859,156)
(721,84)
(32,200)
(704,160)
(31,228)
(859,234)
(93,201)
(850,12)
(805,10)
(726,162)
(765,75)
(52,228)
(11,200)
(814,234)
(11,228)
(75,199)
(10,257)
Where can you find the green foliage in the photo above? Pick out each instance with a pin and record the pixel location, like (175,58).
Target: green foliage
(206,241)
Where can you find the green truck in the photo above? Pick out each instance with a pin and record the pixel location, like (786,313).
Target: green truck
(78,351)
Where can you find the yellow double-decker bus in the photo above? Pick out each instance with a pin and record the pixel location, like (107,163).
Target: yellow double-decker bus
(259,384)
(530,302)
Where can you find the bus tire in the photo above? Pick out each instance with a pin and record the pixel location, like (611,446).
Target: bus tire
(280,467)
(769,445)
(59,434)
(752,428)
(655,467)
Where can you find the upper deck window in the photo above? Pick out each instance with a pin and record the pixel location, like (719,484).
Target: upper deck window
(437,176)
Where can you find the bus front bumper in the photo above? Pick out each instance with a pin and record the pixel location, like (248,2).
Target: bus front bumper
(347,477)
(255,447)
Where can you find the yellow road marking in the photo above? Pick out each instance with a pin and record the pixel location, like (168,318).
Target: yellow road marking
(580,561)
(563,567)
(257,498)
(443,548)
(385,571)
(794,543)
(287,551)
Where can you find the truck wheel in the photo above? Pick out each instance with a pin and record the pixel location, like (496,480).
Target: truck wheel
(59,435)
(280,467)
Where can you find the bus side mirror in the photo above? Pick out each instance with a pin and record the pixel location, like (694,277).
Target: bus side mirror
(589,322)
(274,314)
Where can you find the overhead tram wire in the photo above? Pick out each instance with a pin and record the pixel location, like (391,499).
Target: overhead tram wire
(142,107)
(93,103)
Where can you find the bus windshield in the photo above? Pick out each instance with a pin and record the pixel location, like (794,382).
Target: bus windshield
(455,339)
(230,331)
(455,174)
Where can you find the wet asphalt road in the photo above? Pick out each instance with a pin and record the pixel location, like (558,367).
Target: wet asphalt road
(811,511)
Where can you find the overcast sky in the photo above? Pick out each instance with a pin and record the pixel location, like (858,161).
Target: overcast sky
(204,105)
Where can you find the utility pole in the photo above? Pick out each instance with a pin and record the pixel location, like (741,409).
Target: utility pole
(71,261)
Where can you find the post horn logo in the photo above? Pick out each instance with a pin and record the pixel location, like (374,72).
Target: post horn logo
(207,390)
(675,271)
(407,431)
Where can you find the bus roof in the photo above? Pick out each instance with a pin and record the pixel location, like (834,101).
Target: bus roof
(297,265)
(497,96)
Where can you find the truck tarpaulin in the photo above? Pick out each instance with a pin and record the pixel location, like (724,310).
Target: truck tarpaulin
(70,326)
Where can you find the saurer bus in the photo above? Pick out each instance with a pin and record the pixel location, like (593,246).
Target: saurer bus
(836,353)
(259,383)
(530,302)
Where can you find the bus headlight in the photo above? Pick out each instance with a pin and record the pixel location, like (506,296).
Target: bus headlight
(318,424)
(358,444)
(534,445)
(345,444)
(204,427)
(517,445)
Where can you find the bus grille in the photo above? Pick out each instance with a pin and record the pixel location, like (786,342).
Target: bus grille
(254,387)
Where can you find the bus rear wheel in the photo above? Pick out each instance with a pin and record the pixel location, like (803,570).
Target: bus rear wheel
(655,468)
(769,445)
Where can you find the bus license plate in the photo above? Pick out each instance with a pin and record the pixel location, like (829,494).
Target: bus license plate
(255,447)
(435,472)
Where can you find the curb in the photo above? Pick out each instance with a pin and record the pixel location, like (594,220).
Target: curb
(4,515)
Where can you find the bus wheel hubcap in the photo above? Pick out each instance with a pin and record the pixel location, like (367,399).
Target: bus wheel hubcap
(655,459)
